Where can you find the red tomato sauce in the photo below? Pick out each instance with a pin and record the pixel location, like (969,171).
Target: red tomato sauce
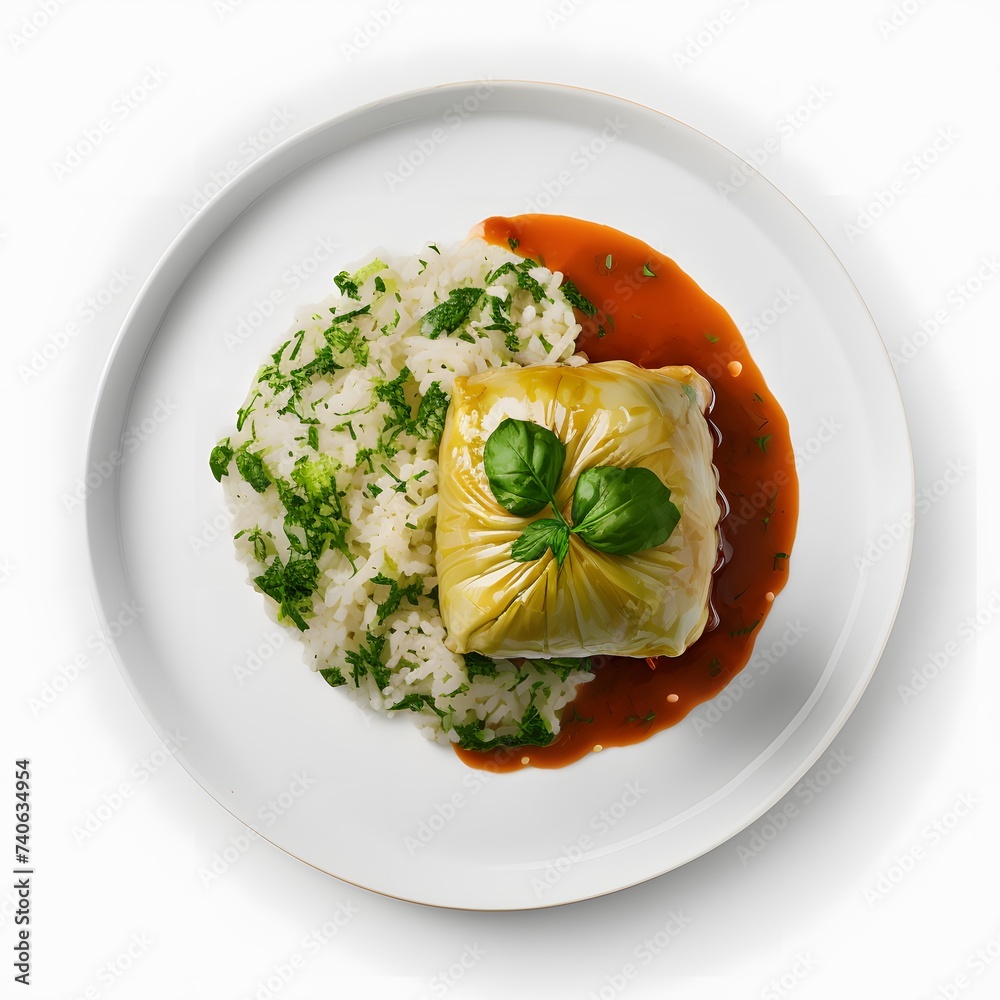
(652,314)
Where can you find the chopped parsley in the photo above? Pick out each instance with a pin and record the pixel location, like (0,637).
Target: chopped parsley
(577,299)
(711,338)
(416,703)
(339,320)
(256,538)
(513,243)
(778,557)
(762,441)
(390,604)
(532,730)
(448,316)
(379,284)
(251,467)
(291,587)
(333,676)
(244,411)
(347,286)
(563,666)
(478,665)
(429,422)
(220,458)
(647,271)
(608,261)
(314,516)
(521,273)
(368,660)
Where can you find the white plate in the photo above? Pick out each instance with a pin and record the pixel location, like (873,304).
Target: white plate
(367,799)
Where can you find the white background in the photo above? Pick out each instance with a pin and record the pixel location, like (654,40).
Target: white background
(884,883)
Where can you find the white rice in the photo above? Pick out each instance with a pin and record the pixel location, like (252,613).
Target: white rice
(336,416)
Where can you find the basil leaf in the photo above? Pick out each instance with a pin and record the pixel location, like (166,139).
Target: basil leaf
(523,462)
(547,533)
(621,511)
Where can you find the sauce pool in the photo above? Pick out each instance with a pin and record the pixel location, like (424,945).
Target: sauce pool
(653,314)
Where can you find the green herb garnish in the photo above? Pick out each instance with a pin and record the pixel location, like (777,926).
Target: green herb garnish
(412,591)
(523,462)
(251,467)
(618,511)
(429,421)
(577,299)
(621,511)
(219,460)
(291,587)
(448,316)
(347,286)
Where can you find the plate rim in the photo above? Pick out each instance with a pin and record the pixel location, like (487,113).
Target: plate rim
(213,217)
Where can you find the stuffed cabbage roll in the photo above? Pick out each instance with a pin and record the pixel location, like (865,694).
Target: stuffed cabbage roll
(607,566)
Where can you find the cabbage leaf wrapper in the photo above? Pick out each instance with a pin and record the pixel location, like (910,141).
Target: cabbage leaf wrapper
(651,603)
